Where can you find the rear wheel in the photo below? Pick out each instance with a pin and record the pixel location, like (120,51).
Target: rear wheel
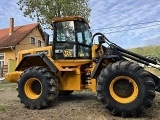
(37,87)
(125,88)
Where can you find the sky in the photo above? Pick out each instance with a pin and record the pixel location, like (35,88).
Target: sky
(128,23)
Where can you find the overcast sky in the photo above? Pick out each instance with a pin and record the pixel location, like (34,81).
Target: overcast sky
(128,23)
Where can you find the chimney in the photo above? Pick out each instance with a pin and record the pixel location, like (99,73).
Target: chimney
(11,28)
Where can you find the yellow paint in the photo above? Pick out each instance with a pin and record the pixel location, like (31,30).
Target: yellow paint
(69,81)
(91,85)
(11,65)
(123,100)
(47,49)
(29,92)
(67,53)
(12,76)
(69,74)
(73,63)
(94,54)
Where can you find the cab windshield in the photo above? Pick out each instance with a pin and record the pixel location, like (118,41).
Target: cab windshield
(72,40)
(83,33)
(66,31)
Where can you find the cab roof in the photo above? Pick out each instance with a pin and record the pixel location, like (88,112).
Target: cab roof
(69,18)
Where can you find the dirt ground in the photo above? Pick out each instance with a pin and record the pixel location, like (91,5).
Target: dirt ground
(79,106)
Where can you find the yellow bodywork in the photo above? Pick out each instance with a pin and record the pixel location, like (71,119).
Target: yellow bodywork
(69,74)
(13,76)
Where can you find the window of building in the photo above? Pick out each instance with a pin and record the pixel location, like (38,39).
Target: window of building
(39,43)
(1,62)
(1,59)
(33,41)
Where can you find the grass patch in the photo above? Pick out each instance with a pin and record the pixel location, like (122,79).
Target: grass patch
(153,51)
(2,108)
(6,85)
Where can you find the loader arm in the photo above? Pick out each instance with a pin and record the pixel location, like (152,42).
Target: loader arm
(123,53)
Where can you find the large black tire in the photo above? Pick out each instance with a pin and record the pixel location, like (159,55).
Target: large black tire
(37,87)
(156,81)
(125,88)
(65,92)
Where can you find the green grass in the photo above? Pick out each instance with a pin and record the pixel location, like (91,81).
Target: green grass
(2,108)
(6,85)
(147,50)
(153,51)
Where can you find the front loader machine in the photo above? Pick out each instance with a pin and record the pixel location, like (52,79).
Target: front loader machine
(71,62)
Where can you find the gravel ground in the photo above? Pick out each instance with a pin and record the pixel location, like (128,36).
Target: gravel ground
(78,106)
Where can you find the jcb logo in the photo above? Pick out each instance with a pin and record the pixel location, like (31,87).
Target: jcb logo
(67,53)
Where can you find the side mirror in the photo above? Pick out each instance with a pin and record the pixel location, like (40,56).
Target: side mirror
(101,39)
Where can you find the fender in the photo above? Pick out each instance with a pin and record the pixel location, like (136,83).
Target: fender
(100,61)
(36,60)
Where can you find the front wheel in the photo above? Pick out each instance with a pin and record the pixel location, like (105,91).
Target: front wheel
(125,88)
(37,87)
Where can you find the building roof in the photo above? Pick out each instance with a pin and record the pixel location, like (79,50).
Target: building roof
(19,33)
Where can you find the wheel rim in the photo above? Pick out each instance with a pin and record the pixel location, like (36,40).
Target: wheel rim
(33,88)
(123,89)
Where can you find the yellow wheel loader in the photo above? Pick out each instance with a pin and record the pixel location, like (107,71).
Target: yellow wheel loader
(71,62)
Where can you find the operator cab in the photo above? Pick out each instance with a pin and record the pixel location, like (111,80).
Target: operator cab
(72,38)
